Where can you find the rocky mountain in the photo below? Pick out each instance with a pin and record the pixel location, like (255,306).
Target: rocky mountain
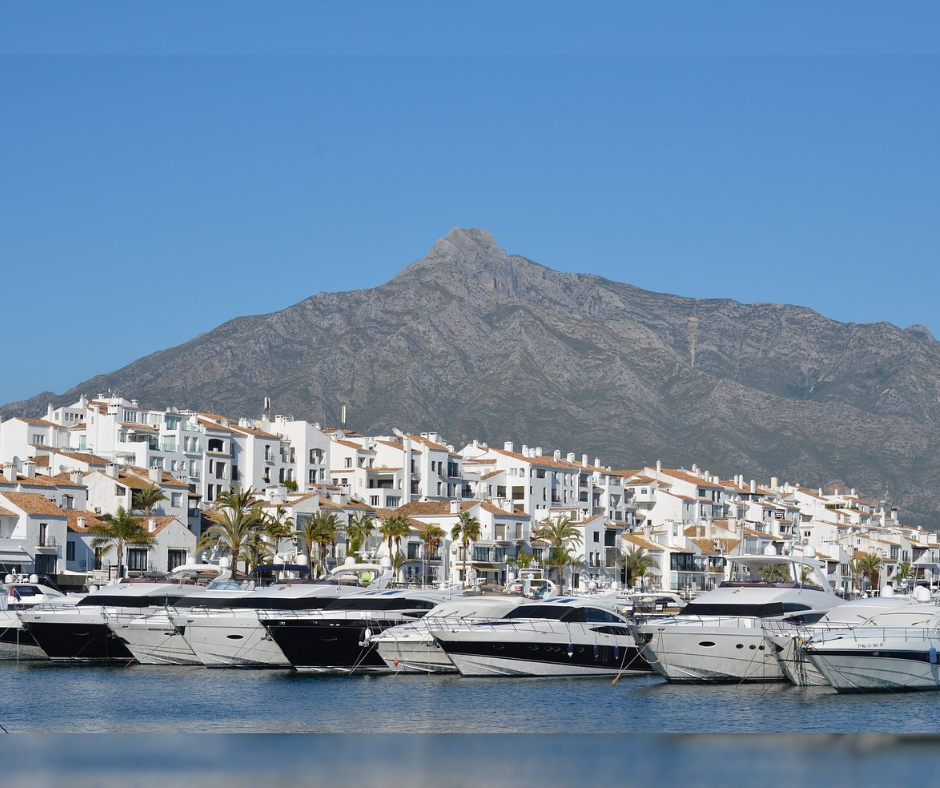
(475,343)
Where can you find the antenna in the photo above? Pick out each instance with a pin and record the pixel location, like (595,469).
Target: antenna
(267,407)
(343,416)
(693,331)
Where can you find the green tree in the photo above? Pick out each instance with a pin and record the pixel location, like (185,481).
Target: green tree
(467,529)
(237,519)
(775,573)
(318,531)
(433,538)
(148,497)
(393,530)
(117,530)
(521,560)
(361,526)
(871,563)
(857,570)
(561,533)
(635,562)
(905,571)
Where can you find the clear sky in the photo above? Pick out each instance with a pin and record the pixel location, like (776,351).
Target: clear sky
(165,167)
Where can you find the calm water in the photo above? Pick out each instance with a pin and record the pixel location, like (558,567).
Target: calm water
(43,697)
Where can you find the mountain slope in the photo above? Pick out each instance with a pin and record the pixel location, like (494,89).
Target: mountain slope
(476,343)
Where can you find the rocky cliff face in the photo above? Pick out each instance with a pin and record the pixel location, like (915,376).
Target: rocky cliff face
(475,343)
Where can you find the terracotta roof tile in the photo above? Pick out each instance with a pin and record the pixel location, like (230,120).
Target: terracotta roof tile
(33,503)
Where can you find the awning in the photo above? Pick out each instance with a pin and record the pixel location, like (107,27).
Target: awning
(15,557)
(480,567)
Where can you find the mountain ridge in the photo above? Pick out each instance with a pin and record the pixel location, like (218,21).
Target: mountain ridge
(473,342)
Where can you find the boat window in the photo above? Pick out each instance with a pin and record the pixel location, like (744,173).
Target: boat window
(549,612)
(376,603)
(593,614)
(610,629)
(713,609)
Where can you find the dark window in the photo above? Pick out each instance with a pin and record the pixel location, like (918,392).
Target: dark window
(175,558)
(136,560)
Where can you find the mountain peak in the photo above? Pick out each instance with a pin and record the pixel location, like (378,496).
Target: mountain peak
(468,255)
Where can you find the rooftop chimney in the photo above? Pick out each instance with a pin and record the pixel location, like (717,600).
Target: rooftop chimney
(455,507)
(156,475)
(508,446)
(9,471)
(152,524)
(29,469)
(556,455)
(753,486)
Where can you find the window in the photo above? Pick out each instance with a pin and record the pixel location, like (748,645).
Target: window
(348,462)
(373,500)
(176,500)
(175,558)
(119,490)
(393,502)
(597,536)
(70,551)
(136,560)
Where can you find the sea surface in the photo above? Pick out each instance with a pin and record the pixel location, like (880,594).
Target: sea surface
(42,697)
(431,731)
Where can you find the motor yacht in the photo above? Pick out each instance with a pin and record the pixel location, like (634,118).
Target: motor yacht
(19,593)
(564,636)
(230,636)
(339,638)
(80,632)
(719,636)
(895,650)
(158,637)
(785,641)
(412,648)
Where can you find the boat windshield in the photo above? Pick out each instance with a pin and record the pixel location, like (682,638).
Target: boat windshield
(765,610)
(561,613)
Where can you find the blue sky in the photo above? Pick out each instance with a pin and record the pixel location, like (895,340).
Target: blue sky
(165,167)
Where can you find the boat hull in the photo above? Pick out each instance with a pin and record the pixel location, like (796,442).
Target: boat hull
(687,653)
(330,646)
(548,649)
(230,640)
(153,640)
(80,641)
(884,668)
(415,655)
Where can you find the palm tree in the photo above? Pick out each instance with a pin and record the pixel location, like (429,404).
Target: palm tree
(635,562)
(857,570)
(147,498)
(393,530)
(905,570)
(774,573)
(320,531)
(237,520)
(870,566)
(561,533)
(117,530)
(278,525)
(521,560)
(361,526)
(433,538)
(467,529)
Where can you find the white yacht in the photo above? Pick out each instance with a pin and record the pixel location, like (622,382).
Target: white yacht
(564,636)
(19,593)
(786,641)
(80,632)
(411,647)
(893,651)
(232,636)
(155,639)
(339,637)
(719,636)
